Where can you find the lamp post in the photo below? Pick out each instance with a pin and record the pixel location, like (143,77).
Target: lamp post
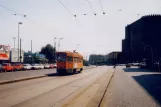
(20,50)
(19,23)
(59,43)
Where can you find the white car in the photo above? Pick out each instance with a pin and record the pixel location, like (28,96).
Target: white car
(46,66)
(41,66)
(27,67)
(35,66)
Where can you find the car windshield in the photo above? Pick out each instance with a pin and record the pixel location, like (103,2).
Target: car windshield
(61,57)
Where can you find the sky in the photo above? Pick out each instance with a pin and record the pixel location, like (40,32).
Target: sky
(46,19)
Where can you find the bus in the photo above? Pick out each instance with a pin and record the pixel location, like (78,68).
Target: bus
(69,62)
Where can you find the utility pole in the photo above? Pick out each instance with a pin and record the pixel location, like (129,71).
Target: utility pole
(31,52)
(14,41)
(20,51)
(59,43)
(31,46)
(19,23)
(55,48)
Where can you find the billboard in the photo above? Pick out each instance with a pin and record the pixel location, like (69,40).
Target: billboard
(4,52)
(14,55)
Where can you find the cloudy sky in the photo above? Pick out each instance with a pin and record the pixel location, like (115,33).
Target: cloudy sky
(47,19)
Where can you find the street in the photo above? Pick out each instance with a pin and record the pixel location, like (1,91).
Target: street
(48,91)
(133,87)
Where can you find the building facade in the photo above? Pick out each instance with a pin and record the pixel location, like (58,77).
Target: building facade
(142,40)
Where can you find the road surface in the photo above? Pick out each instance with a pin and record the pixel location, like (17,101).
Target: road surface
(47,91)
(9,76)
(133,87)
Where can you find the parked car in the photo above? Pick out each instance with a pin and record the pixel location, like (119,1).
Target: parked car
(51,66)
(136,64)
(128,65)
(156,66)
(55,65)
(18,67)
(35,66)
(1,68)
(41,66)
(27,67)
(46,66)
(7,67)
(143,65)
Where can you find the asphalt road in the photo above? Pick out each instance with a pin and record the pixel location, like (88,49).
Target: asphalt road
(133,87)
(9,76)
(48,91)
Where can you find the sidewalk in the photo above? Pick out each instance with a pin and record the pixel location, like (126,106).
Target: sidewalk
(133,87)
(10,77)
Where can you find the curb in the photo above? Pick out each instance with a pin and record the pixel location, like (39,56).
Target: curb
(25,79)
(106,88)
(21,79)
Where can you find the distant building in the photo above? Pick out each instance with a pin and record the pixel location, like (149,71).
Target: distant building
(113,58)
(143,40)
(95,59)
(14,55)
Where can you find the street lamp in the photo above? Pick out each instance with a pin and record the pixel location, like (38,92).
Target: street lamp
(59,43)
(19,23)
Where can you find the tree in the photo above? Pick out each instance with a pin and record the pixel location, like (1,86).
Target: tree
(49,52)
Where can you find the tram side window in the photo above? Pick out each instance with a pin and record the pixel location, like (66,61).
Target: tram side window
(73,59)
(69,59)
(76,59)
(61,57)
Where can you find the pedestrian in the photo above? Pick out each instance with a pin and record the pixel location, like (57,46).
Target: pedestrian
(114,66)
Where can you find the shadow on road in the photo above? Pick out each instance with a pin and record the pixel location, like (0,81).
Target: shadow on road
(55,74)
(136,70)
(52,74)
(152,84)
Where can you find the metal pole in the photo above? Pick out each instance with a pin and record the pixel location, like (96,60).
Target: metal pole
(31,46)
(14,41)
(55,48)
(31,52)
(18,42)
(59,43)
(18,39)
(20,50)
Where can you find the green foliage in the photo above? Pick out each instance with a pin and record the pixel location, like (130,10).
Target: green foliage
(49,51)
